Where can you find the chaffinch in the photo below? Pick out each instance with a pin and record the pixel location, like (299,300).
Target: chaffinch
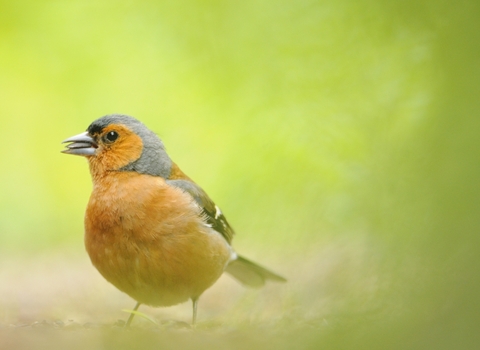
(149,229)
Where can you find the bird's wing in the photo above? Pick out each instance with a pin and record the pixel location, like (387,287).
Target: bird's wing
(247,272)
(213,215)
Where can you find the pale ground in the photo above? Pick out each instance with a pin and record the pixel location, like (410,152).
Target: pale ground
(43,297)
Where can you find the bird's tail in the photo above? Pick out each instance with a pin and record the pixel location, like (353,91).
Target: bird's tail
(251,274)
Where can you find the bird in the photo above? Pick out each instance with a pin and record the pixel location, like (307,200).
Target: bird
(150,230)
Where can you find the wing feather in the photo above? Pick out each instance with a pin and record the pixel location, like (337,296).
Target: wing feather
(212,213)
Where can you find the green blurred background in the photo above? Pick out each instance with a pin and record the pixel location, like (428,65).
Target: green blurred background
(340,138)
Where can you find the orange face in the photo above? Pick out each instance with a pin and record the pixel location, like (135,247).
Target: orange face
(117,147)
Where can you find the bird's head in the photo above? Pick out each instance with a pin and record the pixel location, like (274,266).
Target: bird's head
(120,143)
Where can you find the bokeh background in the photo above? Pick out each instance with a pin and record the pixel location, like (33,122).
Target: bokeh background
(340,138)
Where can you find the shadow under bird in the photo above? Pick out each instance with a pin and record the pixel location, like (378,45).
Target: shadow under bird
(149,229)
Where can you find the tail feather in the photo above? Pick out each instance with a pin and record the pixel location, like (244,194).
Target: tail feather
(251,274)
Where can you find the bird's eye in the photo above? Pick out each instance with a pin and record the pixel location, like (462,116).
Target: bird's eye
(111,136)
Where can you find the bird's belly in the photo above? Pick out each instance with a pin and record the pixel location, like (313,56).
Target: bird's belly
(161,259)
(171,272)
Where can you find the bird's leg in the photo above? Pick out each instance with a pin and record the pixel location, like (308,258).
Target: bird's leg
(130,318)
(194,317)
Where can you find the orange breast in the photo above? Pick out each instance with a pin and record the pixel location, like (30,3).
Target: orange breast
(148,240)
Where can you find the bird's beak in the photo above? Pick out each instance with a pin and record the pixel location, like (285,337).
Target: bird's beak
(81,145)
